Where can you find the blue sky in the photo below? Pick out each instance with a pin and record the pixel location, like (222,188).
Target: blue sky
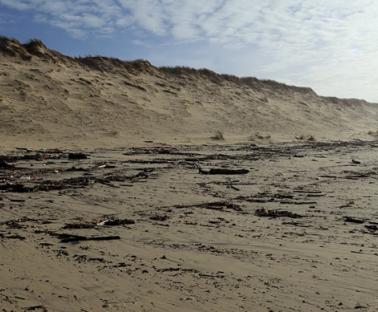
(331,46)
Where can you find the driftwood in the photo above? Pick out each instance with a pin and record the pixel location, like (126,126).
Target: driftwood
(77,156)
(77,226)
(354,220)
(356,162)
(106,222)
(262,212)
(115,222)
(221,205)
(223,171)
(72,238)
(372,227)
(161,218)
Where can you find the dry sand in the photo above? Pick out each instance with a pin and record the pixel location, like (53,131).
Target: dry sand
(51,100)
(200,242)
(131,225)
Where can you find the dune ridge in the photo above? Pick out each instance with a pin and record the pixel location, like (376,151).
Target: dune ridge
(53,99)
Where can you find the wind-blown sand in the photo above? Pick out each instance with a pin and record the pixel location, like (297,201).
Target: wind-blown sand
(124,223)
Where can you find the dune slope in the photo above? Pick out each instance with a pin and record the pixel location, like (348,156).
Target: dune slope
(47,98)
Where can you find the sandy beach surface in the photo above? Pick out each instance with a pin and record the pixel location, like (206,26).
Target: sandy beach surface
(290,227)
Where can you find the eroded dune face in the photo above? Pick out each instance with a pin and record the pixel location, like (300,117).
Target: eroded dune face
(47,98)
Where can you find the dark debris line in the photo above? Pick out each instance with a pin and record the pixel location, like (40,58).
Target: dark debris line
(175,157)
(69,183)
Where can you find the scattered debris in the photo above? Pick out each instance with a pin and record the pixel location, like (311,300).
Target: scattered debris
(372,227)
(115,222)
(37,308)
(347,205)
(282,198)
(221,205)
(41,185)
(161,218)
(360,306)
(73,226)
(172,269)
(77,156)
(106,222)
(36,156)
(72,238)
(354,220)
(15,188)
(356,175)
(5,165)
(12,224)
(56,185)
(76,169)
(262,212)
(12,236)
(106,166)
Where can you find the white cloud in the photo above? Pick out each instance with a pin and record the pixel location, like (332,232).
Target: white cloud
(19,5)
(331,45)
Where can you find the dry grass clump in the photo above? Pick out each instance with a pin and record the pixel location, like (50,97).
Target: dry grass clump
(218,136)
(260,136)
(308,138)
(373,133)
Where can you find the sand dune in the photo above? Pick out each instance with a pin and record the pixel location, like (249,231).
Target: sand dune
(51,99)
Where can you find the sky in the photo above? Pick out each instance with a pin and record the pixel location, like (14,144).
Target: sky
(328,45)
